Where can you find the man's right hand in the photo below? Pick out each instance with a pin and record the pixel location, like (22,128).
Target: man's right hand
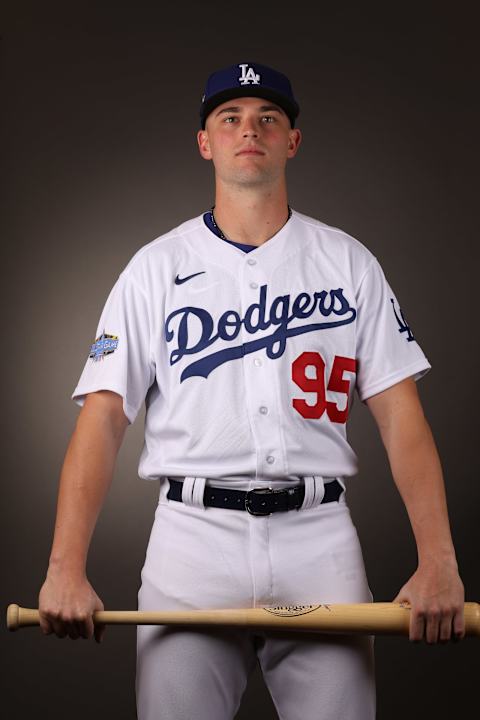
(66,605)
(67,601)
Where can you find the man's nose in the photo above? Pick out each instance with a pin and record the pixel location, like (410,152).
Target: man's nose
(250,128)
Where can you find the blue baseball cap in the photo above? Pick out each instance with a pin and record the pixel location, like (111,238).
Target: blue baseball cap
(248,80)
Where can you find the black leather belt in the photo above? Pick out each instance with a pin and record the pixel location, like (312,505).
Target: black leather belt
(258,501)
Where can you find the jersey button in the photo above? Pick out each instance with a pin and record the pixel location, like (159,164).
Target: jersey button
(254,285)
(257,362)
(251,261)
(263,410)
(270,459)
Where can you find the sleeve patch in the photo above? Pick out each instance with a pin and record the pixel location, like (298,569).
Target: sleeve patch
(104,345)
(403,326)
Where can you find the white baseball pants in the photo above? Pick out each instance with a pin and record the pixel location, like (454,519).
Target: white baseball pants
(201,558)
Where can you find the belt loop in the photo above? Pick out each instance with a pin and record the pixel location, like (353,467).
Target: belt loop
(198,492)
(192,491)
(340,480)
(319,490)
(309,481)
(187,490)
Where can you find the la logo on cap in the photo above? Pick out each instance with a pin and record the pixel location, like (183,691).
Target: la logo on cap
(248,76)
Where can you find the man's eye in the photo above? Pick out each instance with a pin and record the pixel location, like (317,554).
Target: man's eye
(268,118)
(230,118)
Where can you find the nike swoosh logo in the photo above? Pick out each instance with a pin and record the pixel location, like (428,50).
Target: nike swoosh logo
(179,281)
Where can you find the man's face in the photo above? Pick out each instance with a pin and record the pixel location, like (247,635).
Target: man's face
(249,141)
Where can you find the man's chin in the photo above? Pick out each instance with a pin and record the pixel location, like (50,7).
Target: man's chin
(251,179)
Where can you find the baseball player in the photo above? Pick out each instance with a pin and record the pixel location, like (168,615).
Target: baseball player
(246,332)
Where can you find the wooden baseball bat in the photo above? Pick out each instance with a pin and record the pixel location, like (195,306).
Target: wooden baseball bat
(362,618)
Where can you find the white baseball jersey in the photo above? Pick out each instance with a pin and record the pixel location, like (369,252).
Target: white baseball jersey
(247,362)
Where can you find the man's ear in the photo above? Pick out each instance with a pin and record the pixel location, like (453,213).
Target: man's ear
(204,144)
(294,140)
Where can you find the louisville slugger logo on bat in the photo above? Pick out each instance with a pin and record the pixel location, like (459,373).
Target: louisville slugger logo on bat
(291,610)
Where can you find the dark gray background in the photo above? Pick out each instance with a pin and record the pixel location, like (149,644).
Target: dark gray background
(100,116)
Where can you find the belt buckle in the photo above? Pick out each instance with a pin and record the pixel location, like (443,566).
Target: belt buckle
(262,491)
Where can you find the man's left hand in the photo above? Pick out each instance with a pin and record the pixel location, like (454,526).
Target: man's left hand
(436,595)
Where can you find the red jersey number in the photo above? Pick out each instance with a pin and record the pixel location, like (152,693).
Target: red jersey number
(336,383)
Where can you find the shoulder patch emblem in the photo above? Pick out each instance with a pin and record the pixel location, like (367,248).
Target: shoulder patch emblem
(403,326)
(104,345)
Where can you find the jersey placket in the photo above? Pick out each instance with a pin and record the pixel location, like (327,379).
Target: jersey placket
(259,380)
(261,408)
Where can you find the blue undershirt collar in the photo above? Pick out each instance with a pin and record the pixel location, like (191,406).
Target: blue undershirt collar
(207,218)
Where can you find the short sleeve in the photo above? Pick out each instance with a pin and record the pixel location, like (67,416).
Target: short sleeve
(387,351)
(119,359)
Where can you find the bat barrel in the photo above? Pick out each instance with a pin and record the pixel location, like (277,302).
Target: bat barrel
(472,618)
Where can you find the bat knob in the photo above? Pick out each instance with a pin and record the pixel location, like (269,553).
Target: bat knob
(13,617)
